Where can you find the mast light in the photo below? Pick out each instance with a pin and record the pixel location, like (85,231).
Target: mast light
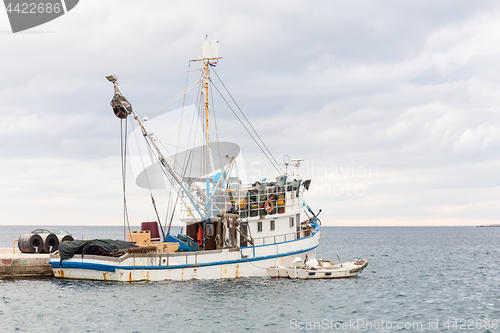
(112,78)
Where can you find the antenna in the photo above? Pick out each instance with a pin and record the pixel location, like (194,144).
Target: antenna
(297,164)
(286,160)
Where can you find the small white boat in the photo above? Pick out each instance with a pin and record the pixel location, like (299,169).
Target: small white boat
(318,269)
(277,272)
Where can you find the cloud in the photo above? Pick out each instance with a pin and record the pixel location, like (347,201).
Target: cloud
(407,88)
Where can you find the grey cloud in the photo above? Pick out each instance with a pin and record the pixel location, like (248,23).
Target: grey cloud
(409,87)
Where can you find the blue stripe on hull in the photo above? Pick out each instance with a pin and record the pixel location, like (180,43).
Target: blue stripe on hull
(84,265)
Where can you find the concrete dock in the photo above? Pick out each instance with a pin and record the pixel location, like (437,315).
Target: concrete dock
(23,265)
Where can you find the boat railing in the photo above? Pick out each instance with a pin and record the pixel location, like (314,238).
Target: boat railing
(274,239)
(254,201)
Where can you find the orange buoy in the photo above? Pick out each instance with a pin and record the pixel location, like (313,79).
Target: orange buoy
(269,206)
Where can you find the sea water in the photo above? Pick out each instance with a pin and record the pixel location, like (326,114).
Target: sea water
(419,279)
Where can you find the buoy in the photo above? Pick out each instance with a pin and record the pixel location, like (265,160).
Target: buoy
(269,206)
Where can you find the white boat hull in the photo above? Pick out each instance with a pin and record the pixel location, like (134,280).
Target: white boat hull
(277,272)
(216,264)
(340,271)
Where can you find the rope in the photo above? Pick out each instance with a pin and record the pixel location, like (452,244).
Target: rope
(251,263)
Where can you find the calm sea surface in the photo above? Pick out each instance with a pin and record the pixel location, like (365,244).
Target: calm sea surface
(419,279)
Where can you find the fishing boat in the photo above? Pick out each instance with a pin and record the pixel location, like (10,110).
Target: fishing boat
(229,227)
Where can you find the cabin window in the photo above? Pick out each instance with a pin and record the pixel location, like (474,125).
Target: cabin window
(292,222)
(273,224)
(210,229)
(259,226)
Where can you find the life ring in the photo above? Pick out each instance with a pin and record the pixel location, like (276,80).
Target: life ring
(269,206)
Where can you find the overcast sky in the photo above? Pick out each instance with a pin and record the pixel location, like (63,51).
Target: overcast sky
(395,105)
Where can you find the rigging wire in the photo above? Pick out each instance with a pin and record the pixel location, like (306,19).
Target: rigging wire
(274,164)
(197,122)
(177,163)
(194,123)
(172,206)
(254,135)
(277,164)
(173,100)
(176,200)
(161,161)
(155,77)
(123,153)
(149,185)
(171,177)
(182,165)
(216,130)
(186,164)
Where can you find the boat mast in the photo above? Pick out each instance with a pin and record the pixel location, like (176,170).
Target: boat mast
(210,52)
(205,88)
(207,139)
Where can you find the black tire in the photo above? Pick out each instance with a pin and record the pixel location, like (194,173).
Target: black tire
(51,243)
(30,243)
